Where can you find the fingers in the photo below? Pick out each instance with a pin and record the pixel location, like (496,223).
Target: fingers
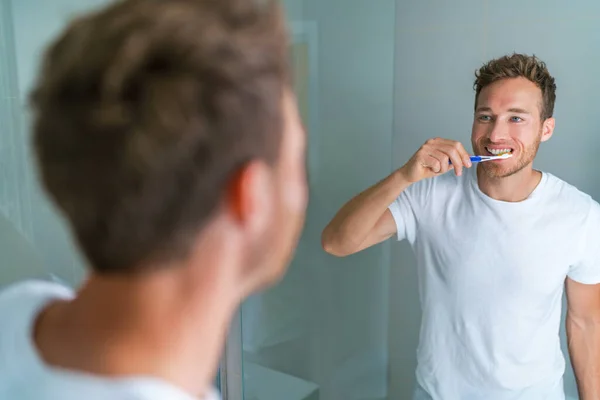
(444,151)
(434,164)
(455,154)
(443,160)
(464,154)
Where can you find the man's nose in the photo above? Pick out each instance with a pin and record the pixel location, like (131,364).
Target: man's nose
(498,132)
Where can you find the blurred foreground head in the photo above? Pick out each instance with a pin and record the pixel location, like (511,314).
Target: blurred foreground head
(163,125)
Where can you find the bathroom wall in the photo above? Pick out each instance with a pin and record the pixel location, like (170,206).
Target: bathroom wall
(439,45)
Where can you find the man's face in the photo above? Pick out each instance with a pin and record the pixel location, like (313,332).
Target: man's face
(507,117)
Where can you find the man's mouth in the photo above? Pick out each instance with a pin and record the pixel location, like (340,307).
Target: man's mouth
(499,152)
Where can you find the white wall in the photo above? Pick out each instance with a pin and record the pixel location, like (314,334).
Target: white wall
(438,47)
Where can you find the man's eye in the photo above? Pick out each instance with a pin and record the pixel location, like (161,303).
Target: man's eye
(484,118)
(516,119)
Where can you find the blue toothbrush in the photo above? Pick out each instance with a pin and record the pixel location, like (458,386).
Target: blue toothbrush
(476,159)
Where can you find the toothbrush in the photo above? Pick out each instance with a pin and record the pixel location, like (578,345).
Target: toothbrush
(488,158)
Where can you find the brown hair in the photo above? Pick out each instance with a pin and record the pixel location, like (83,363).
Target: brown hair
(519,65)
(145,110)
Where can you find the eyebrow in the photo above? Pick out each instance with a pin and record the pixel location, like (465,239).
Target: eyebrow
(514,110)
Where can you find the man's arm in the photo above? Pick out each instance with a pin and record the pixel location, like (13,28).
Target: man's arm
(365,220)
(583,333)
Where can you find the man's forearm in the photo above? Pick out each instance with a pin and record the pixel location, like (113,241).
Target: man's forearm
(584,349)
(356,219)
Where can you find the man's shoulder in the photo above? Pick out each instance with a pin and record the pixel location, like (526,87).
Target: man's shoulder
(569,195)
(573,205)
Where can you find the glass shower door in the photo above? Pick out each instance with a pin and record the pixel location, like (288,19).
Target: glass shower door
(322,332)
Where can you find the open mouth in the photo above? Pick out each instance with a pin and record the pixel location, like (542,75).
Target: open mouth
(499,152)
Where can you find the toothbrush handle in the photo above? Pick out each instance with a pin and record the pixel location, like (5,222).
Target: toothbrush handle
(473,159)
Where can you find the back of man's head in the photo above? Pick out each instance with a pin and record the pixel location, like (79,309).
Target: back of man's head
(144,112)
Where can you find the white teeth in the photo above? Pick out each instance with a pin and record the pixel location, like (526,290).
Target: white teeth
(498,151)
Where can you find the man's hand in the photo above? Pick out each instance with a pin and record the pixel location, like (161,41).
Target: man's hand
(433,158)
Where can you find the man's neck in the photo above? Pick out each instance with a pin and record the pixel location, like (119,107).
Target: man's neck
(514,188)
(168,325)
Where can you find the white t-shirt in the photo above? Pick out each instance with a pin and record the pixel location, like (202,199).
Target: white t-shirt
(24,375)
(491,280)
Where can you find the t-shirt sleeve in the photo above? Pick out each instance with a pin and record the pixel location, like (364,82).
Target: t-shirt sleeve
(587,270)
(406,208)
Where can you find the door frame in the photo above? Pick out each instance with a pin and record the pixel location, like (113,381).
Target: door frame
(231,369)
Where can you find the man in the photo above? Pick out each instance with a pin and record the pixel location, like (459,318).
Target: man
(167,134)
(494,245)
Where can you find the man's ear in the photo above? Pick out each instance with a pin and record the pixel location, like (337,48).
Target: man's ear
(548,129)
(249,197)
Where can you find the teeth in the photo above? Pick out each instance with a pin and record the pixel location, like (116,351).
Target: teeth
(498,152)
